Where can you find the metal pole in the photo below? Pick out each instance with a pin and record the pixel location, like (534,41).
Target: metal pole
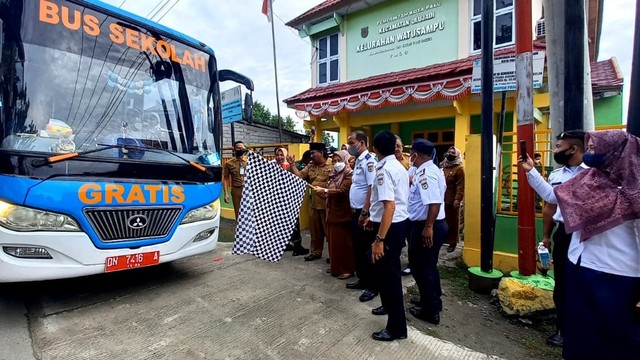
(486,152)
(524,80)
(275,69)
(574,38)
(633,115)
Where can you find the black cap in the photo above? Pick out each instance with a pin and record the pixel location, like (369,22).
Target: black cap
(317,146)
(572,134)
(423,146)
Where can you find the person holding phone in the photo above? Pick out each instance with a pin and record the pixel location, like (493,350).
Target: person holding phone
(567,153)
(428,230)
(388,220)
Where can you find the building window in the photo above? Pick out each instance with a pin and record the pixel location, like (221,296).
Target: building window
(504,24)
(328,59)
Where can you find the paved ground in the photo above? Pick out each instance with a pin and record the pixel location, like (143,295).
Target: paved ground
(215,306)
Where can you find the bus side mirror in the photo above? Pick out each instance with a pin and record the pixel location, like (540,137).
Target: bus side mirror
(248,108)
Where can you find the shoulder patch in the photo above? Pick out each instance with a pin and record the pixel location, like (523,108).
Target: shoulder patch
(424,184)
(380,178)
(371,166)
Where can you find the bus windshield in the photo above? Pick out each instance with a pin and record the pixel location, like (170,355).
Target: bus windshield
(73,79)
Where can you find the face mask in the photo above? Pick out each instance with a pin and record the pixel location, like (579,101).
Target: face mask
(353,150)
(240,152)
(562,158)
(593,160)
(451,157)
(339,166)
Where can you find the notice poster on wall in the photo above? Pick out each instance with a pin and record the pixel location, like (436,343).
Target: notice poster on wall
(504,73)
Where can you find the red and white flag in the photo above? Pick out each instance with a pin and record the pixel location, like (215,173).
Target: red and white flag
(267,9)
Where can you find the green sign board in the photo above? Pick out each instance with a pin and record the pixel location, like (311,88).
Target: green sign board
(401,34)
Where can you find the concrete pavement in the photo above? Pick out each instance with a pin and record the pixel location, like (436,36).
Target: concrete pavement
(216,306)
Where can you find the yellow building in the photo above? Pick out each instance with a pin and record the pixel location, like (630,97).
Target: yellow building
(408,66)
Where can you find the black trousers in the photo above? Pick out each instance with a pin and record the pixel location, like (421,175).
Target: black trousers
(296,237)
(388,275)
(362,241)
(601,323)
(560,253)
(424,264)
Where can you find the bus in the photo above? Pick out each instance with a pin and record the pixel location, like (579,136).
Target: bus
(110,141)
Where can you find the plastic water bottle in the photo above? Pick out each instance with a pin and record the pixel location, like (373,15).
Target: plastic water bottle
(544,256)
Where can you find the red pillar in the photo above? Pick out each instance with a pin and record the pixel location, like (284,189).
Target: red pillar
(524,75)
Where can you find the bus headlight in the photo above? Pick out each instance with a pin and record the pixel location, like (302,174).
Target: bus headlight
(22,218)
(207,212)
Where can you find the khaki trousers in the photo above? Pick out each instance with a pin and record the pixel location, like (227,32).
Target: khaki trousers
(236,196)
(318,232)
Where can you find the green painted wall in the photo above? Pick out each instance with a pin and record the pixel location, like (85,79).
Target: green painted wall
(376,129)
(401,34)
(506,237)
(608,111)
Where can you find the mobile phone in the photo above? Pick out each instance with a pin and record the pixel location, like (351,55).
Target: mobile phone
(523,150)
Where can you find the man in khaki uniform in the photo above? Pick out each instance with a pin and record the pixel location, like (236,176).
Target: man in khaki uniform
(233,173)
(317,173)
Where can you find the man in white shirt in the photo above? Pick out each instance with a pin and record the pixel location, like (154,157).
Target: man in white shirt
(389,221)
(428,230)
(360,197)
(568,153)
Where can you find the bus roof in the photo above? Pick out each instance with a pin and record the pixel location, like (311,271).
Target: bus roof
(148,24)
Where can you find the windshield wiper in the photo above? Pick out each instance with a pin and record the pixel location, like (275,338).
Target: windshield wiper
(62,157)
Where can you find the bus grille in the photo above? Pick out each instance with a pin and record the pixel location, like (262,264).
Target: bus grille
(132,223)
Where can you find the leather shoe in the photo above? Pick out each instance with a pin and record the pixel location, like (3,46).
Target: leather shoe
(385,335)
(380,310)
(311,257)
(422,315)
(297,251)
(356,285)
(555,340)
(368,295)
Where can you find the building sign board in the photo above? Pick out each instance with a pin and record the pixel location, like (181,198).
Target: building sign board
(399,35)
(504,73)
(231,105)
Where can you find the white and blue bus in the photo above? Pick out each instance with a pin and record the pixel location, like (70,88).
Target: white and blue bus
(110,140)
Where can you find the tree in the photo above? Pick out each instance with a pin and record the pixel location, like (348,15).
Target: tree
(262,115)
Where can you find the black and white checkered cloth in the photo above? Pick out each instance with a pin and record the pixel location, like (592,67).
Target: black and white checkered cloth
(270,205)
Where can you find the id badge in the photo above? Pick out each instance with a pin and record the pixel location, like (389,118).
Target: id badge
(242,170)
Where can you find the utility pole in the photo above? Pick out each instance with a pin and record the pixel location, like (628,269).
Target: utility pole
(486,154)
(524,80)
(574,65)
(633,116)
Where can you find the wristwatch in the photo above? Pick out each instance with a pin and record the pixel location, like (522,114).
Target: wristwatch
(380,239)
(364,213)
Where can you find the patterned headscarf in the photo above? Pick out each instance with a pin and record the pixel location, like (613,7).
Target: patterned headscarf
(458,161)
(597,200)
(335,178)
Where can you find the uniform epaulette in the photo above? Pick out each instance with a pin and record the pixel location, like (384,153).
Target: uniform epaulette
(367,157)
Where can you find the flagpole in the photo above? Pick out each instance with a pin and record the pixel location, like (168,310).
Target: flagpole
(275,69)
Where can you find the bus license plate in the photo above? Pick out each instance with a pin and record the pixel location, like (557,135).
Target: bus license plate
(132,261)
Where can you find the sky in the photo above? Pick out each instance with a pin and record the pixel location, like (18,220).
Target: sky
(241,37)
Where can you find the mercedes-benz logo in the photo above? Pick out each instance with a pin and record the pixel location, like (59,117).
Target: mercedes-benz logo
(137,221)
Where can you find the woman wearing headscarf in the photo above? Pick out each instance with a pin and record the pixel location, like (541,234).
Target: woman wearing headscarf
(453,197)
(281,158)
(601,206)
(295,243)
(339,214)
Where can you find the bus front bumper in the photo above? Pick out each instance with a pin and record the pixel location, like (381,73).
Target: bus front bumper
(73,254)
